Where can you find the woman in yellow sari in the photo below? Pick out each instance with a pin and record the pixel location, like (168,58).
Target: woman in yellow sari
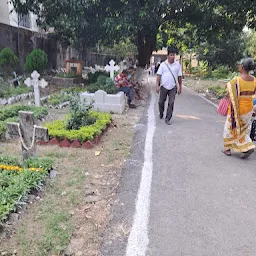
(238,124)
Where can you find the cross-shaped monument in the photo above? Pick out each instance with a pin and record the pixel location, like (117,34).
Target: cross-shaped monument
(28,133)
(111,68)
(16,80)
(36,83)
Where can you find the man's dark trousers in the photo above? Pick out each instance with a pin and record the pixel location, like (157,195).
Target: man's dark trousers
(171,98)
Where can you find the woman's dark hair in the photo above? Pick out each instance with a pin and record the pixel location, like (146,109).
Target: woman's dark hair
(248,64)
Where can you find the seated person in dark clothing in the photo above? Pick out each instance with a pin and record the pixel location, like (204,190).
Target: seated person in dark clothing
(122,83)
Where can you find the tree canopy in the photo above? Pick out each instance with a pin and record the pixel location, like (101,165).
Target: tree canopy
(147,23)
(251,43)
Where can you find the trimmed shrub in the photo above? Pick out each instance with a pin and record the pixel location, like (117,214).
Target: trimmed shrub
(36,60)
(58,128)
(8,59)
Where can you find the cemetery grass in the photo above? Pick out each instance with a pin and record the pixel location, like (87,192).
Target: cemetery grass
(74,208)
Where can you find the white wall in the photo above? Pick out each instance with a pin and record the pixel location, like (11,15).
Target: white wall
(4,12)
(10,17)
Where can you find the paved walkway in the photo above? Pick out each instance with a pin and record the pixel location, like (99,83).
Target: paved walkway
(198,203)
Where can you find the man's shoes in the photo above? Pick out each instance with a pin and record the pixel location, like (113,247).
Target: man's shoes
(132,105)
(168,122)
(161,116)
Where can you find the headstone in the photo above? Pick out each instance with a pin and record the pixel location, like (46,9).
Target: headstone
(11,101)
(111,68)
(105,102)
(99,96)
(92,70)
(75,66)
(3,102)
(28,133)
(36,83)
(99,68)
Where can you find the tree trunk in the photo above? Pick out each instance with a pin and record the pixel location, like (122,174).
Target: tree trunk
(181,63)
(146,44)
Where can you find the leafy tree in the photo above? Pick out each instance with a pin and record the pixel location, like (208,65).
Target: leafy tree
(251,43)
(122,49)
(223,51)
(83,23)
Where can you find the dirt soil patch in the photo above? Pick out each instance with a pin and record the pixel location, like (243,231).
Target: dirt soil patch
(201,86)
(71,213)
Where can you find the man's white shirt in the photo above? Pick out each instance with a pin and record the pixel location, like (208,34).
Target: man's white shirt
(167,80)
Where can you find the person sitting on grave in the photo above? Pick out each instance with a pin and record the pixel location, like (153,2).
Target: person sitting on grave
(122,83)
(131,78)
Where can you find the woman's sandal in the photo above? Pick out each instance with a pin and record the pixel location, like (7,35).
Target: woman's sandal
(226,152)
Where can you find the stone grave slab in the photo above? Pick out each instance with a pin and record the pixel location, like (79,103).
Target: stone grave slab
(104,102)
(28,133)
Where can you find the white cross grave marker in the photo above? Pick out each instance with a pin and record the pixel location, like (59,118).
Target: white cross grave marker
(28,133)
(36,83)
(111,68)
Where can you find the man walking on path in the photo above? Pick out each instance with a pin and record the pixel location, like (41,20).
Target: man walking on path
(168,82)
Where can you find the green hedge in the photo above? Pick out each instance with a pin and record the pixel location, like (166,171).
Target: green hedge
(58,128)
(15,185)
(11,114)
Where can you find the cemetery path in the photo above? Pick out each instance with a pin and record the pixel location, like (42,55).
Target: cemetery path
(199,202)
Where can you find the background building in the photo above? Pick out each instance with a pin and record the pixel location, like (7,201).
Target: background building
(9,17)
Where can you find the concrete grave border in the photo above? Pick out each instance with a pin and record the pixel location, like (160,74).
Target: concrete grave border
(103,102)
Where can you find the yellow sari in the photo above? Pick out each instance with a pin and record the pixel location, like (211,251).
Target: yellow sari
(239,119)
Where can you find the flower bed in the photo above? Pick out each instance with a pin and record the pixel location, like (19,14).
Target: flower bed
(81,137)
(10,114)
(17,180)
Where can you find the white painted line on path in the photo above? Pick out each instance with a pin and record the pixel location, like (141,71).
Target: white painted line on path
(138,239)
(201,96)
